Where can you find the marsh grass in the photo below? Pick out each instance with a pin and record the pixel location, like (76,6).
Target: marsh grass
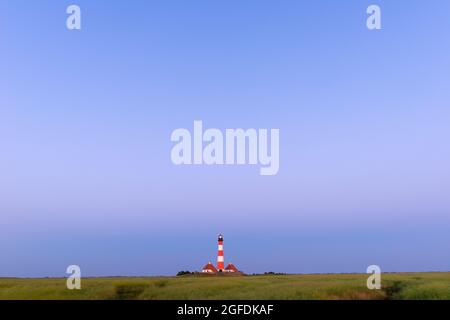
(129,291)
(278,287)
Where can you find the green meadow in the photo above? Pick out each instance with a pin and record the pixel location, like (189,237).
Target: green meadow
(278,287)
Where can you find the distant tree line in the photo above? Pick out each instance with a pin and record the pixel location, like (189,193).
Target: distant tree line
(270,273)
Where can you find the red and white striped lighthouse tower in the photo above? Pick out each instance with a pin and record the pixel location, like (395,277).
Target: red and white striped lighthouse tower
(220,262)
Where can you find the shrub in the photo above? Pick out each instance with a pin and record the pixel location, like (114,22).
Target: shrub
(392,291)
(129,291)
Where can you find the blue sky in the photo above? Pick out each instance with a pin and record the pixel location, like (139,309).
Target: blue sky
(86,118)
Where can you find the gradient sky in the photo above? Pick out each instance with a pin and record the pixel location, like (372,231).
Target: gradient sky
(86,117)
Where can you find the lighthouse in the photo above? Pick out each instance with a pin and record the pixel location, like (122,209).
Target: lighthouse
(220,261)
(230,268)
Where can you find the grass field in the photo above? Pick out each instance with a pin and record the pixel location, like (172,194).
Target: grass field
(337,286)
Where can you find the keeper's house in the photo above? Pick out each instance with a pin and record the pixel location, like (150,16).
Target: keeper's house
(209,268)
